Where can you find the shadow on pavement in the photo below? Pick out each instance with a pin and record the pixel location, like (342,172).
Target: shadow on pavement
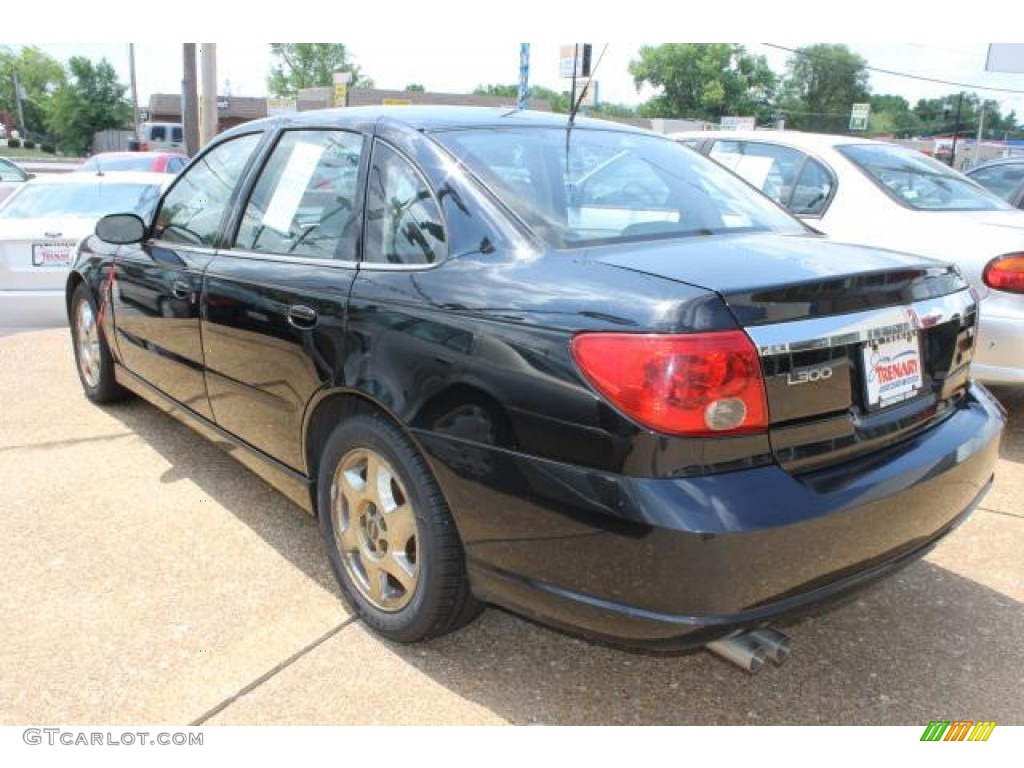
(1012,399)
(290,530)
(926,644)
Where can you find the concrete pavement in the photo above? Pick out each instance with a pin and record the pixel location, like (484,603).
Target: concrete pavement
(149,578)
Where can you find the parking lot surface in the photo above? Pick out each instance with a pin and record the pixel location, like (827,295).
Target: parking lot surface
(150,578)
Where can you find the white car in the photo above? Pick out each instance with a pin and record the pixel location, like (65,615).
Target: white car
(875,193)
(41,226)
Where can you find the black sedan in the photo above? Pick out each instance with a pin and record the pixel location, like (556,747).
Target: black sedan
(567,367)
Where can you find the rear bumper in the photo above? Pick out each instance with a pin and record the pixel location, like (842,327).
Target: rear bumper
(999,353)
(674,563)
(33,308)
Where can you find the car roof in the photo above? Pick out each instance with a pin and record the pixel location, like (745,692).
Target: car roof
(798,139)
(431,118)
(122,177)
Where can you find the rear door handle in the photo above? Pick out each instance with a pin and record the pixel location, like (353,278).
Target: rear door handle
(181,289)
(302,316)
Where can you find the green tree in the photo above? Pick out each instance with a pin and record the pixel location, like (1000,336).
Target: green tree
(310,65)
(559,101)
(706,81)
(92,100)
(892,114)
(39,75)
(415,88)
(821,85)
(939,115)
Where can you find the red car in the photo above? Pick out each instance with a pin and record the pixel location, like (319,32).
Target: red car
(156,162)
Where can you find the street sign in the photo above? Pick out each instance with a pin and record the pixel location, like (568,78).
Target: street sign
(738,123)
(341,81)
(859,117)
(578,53)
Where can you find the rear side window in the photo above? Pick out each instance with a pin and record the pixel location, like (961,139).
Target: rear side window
(193,209)
(305,202)
(157,133)
(403,221)
(176,134)
(1004,180)
(786,175)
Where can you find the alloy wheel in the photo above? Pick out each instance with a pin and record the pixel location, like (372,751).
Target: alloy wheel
(375,529)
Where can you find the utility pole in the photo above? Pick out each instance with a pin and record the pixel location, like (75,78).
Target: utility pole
(981,129)
(135,95)
(190,100)
(956,129)
(208,105)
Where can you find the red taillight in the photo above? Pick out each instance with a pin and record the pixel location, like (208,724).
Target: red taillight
(1005,273)
(694,384)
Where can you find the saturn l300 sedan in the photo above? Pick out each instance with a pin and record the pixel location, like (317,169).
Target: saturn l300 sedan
(566,367)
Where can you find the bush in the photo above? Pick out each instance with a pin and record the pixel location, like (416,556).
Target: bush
(29,144)
(48,148)
(14,143)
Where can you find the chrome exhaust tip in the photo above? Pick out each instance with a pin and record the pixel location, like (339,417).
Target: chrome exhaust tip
(741,650)
(775,644)
(750,649)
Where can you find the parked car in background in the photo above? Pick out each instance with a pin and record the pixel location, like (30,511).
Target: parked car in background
(40,227)
(155,162)
(1002,177)
(11,177)
(168,137)
(572,369)
(874,193)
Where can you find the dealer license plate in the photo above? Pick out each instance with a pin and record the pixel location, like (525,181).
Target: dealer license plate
(892,369)
(52,254)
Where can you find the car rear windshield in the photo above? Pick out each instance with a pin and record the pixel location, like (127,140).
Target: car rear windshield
(587,186)
(119,163)
(917,181)
(37,201)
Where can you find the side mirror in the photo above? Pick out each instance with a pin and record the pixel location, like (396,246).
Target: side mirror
(29,176)
(121,229)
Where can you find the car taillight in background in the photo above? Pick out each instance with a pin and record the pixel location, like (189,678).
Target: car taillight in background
(1005,273)
(693,384)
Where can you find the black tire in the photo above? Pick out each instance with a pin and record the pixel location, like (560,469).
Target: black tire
(439,599)
(93,361)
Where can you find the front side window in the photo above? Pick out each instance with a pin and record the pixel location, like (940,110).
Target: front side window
(158,133)
(176,135)
(304,203)
(587,186)
(403,221)
(194,208)
(918,181)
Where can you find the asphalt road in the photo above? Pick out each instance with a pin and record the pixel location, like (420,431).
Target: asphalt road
(149,578)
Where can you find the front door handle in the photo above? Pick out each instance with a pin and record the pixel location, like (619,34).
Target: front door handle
(181,290)
(302,316)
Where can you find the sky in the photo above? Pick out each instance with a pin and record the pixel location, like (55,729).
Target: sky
(456,45)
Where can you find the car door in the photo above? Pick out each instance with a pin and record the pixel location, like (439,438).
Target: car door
(157,284)
(275,300)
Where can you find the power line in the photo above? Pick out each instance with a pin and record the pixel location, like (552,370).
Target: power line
(909,76)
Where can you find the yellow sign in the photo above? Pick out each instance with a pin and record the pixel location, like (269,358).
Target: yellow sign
(340,94)
(396,102)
